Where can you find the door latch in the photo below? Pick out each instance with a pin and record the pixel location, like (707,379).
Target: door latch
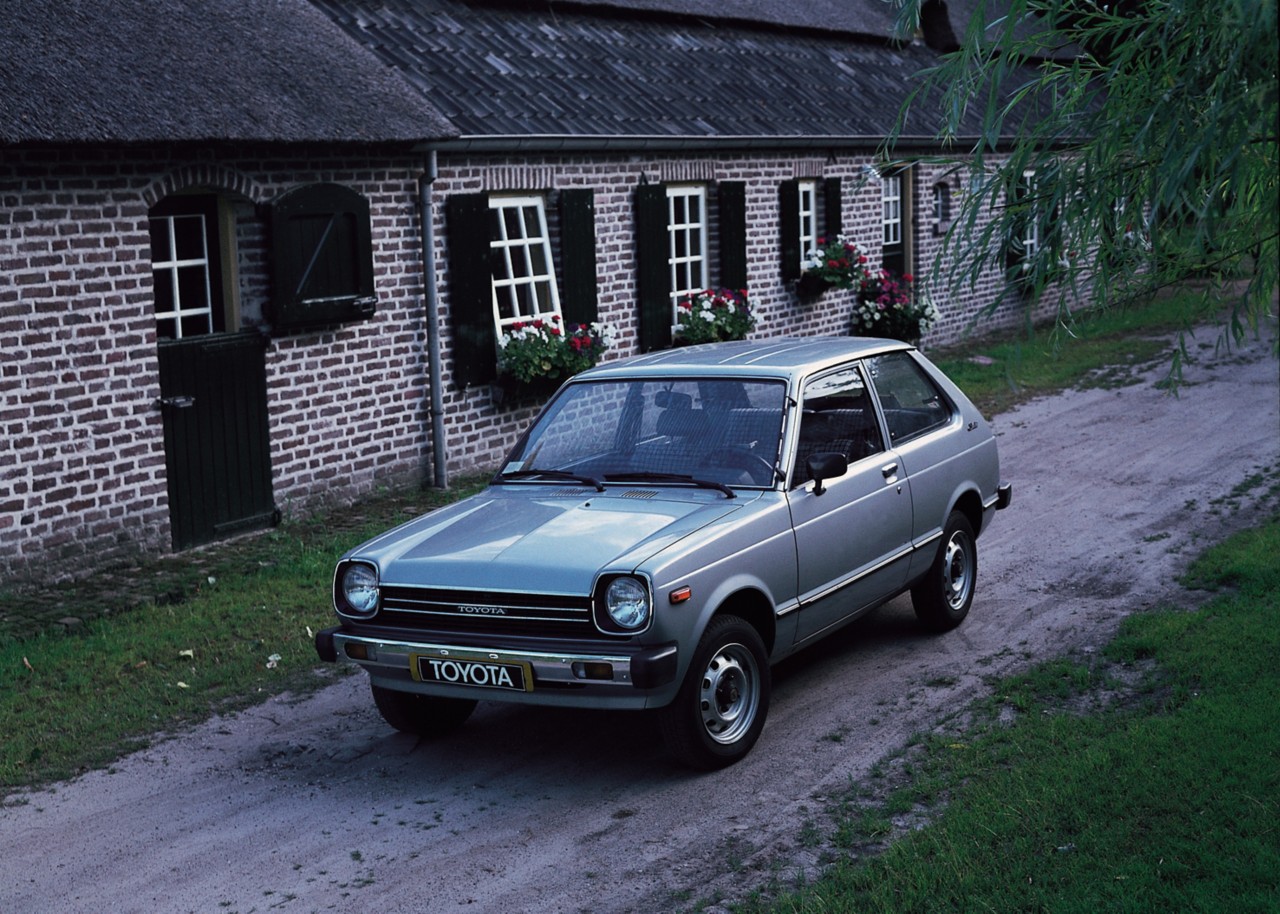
(180,402)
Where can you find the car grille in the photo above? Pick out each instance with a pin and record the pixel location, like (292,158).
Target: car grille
(487,612)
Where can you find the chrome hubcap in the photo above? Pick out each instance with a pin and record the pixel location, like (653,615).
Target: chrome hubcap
(730,693)
(957,571)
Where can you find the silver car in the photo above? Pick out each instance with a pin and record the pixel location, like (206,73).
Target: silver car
(669,527)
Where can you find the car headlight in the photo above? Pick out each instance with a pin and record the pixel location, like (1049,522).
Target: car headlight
(626,601)
(356,589)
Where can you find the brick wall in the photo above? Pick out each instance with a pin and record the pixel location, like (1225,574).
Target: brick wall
(82,461)
(83,477)
(479,432)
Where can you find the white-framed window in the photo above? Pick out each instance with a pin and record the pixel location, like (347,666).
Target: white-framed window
(941,203)
(1031,221)
(524,278)
(891,198)
(808,216)
(687,241)
(186,266)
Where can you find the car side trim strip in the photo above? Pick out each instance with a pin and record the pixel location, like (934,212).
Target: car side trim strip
(852,579)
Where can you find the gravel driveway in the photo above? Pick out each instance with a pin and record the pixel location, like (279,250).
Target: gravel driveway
(316,805)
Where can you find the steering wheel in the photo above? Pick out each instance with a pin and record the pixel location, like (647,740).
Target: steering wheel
(760,470)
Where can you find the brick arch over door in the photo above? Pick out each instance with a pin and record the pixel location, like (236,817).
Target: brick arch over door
(218,178)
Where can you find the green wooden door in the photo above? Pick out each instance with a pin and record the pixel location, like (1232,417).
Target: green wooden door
(213,393)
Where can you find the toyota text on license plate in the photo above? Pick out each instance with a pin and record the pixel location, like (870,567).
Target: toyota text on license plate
(474,671)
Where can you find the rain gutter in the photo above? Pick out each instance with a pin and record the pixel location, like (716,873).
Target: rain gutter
(431,294)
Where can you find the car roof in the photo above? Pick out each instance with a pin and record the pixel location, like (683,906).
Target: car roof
(783,358)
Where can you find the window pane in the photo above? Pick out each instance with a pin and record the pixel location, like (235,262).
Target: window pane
(912,403)
(188,237)
(160,240)
(195,325)
(193,288)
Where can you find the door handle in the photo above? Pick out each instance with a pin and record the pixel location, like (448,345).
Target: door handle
(889,470)
(179,402)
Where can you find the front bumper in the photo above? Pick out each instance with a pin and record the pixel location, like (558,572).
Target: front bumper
(578,677)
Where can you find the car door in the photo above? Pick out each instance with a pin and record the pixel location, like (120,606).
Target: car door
(852,532)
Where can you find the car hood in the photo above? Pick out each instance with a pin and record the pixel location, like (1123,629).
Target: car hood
(516,539)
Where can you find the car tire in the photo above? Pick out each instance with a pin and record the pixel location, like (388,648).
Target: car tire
(422,715)
(943,597)
(718,713)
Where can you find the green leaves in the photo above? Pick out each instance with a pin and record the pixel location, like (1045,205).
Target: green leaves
(1147,134)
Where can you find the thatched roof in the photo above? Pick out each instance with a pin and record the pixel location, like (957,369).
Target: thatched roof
(182,70)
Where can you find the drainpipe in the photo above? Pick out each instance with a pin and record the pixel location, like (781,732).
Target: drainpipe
(426,213)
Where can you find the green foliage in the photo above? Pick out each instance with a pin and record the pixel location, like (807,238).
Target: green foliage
(1002,372)
(1149,129)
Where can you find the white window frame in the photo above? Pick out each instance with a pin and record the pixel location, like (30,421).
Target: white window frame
(169,270)
(891,208)
(516,282)
(808,217)
(1031,231)
(686,241)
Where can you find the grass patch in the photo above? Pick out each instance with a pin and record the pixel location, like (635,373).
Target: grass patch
(1165,801)
(1102,348)
(217,642)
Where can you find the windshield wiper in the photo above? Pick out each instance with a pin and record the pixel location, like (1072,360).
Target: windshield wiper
(671,477)
(552,474)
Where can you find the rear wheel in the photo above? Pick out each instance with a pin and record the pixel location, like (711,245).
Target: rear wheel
(718,713)
(942,599)
(422,715)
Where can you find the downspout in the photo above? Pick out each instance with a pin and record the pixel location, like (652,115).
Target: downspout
(426,213)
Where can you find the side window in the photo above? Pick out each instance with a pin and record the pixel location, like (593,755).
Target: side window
(836,415)
(808,211)
(522,275)
(941,208)
(808,228)
(895,222)
(673,238)
(186,265)
(1024,239)
(686,242)
(912,403)
(501,270)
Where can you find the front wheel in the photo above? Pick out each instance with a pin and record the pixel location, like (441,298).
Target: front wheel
(942,599)
(422,715)
(718,713)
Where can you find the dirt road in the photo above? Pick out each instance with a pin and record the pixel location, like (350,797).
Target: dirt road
(316,805)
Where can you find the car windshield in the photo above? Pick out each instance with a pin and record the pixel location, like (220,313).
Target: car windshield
(724,432)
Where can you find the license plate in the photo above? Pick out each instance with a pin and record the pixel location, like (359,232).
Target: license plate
(474,671)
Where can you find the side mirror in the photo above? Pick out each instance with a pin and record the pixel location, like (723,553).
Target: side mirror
(826,465)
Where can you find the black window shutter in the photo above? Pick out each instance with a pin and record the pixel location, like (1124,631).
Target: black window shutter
(832,211)
(579,294)
(653,274)
(475,344)
(322,248)
(733,234)
(789,218)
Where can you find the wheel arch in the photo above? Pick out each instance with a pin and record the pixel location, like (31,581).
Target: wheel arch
(753,607)
(970,505)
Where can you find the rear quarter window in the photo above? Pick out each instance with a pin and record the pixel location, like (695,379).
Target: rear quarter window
(913,404)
